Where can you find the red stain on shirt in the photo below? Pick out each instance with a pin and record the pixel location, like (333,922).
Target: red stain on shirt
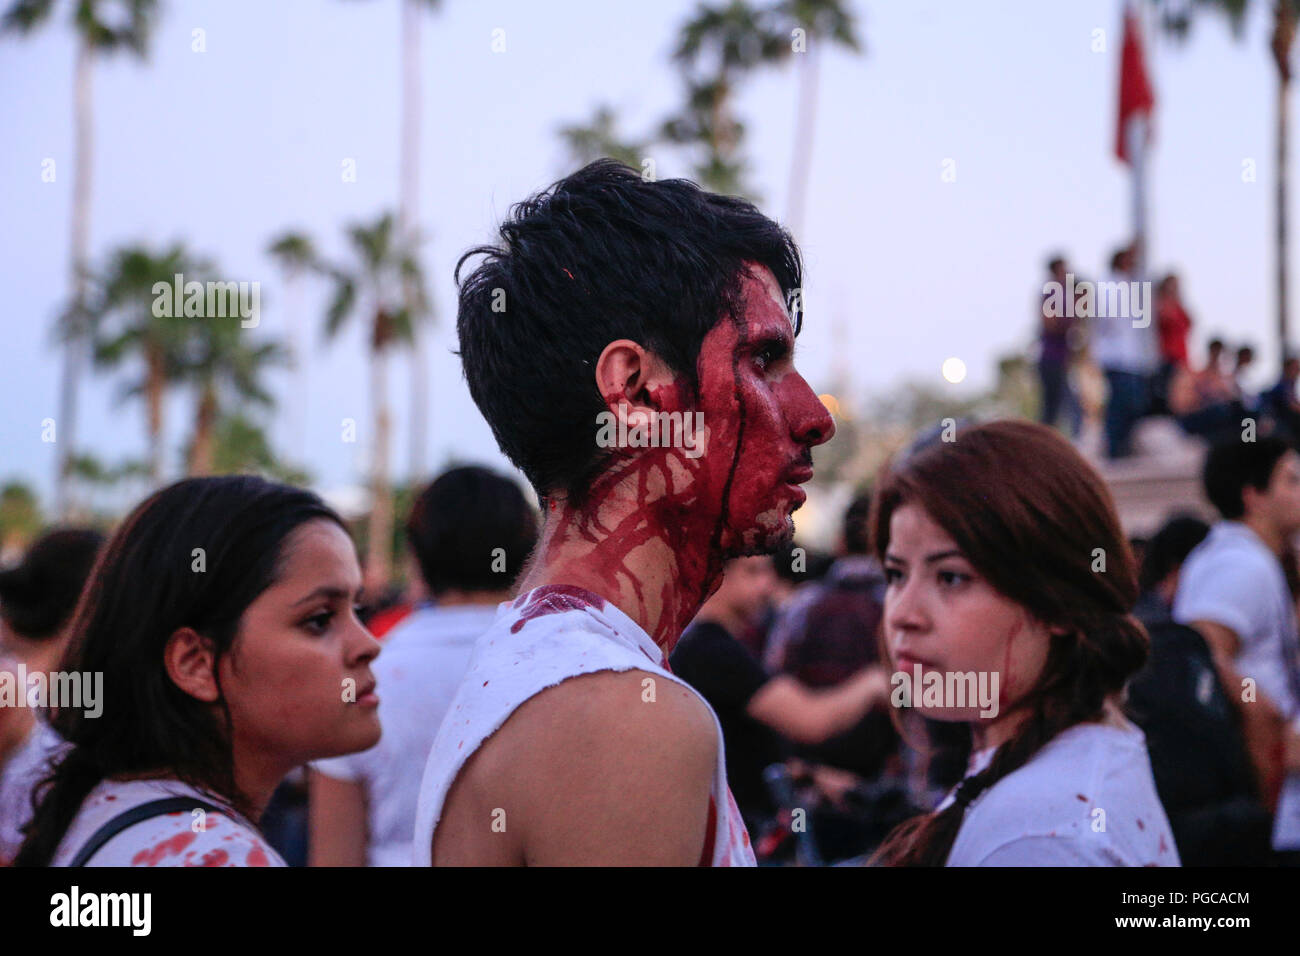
(256,857)
(555,599)
(1141,825)
(1079,796)
(710,834)
(169,847)
(218,858)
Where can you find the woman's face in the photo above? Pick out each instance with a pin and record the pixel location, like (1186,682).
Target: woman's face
(942,615)
(297,679)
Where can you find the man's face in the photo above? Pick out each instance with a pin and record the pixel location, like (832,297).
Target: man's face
(1280,502)
(761,420)
(748,586)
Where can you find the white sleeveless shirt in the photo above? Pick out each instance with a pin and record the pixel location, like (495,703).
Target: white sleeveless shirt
(542,638)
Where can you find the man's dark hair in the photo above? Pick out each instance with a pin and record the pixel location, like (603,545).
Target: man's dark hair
(857,535)
(1118,258)
(1216,344)
(457,524)
(1055,261)
(1169,548)
(599,256)
(38,596)
(1232,466)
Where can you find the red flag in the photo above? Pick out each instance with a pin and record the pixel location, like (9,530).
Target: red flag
(1135,94)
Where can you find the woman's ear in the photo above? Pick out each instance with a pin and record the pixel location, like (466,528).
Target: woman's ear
(191,663)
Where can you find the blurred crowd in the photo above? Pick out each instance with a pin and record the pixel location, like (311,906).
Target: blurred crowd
(1147,363)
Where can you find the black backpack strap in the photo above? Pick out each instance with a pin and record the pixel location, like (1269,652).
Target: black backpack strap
(145,811)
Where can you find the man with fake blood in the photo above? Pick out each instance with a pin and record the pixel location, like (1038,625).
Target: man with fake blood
(569,741)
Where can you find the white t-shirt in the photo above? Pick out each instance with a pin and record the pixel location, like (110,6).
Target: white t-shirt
(25,768)
(1047,812)
(1233,579)
(1117,345)
(221,839)
(418,671)
(542,638)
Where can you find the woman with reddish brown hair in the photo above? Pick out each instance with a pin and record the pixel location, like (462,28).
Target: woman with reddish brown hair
(1007,609)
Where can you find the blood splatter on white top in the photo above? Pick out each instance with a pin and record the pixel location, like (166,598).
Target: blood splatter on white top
(174,839)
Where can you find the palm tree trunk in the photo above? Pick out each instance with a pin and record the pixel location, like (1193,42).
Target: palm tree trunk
(1283,330)
(154,383)
(408,225)
(378,559)
(1284,27)
(805,126)
(75,349)
(201,454)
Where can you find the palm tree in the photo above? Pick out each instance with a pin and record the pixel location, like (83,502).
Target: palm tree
(1177,21)
(408,220)
(386,283)
(226,370)
(102,26)
(20,519)
(240,445)
(296,255)
(599,138)
(124,329)
(821,20)
(715,49)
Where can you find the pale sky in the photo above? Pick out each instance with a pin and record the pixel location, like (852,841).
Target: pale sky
(228,147)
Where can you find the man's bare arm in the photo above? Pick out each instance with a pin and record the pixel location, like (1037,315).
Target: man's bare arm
(812,716)
(337,816)
(1262,723)
(607,769)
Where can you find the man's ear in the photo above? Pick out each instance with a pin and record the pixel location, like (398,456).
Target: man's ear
(191,663)
(1250,496)
(628,373)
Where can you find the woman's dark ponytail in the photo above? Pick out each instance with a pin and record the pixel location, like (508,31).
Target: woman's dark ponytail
(56,801)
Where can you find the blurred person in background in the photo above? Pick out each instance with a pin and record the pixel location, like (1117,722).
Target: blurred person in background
(1054,348)
(1173,325)
(1281,405)
(1205,400)
(37,599)
(828,633)
(1235,591)
(1198,755)
(221,619)
(470,532)
(1245,359)
(756,711)
(1127,354)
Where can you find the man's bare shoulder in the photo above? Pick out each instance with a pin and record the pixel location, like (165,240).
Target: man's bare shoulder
(632,714)
(610,767)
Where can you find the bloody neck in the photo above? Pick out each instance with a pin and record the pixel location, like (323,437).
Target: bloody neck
(656,558)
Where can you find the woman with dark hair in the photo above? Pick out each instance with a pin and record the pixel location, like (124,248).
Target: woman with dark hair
(37,597)
(221,616)
(1007,569)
